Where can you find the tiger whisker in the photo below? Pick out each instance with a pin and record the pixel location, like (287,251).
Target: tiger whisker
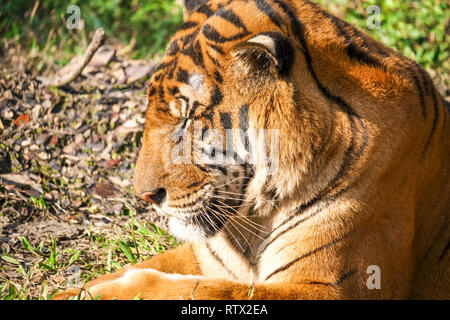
(229,182)
(246,219)
(241,225)
(263,200)
(218,216)
(250,222)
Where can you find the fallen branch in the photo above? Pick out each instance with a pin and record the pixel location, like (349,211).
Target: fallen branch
(61,80)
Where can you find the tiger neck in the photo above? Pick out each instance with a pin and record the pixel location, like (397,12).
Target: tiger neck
(239,251)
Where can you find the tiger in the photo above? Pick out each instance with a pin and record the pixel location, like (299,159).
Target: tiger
(294,157)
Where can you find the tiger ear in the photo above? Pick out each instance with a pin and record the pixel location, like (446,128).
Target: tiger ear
(189,6)
(268,53)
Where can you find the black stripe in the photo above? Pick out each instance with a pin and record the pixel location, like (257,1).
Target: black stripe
(219,260)
(216,98)
(303,256)
(162,66)
(164,176)
(251,210)
(429,85)
(218,77)
(195,105)
(189,38)
(184,124)
(183,196)
(204,131)
(225,119)
(353,51)
(208,167)
(172,70)
(188,25)
(213,35)
(216,48)
(206,10)
(447,247)
(299,31)
(267,9)
(297,213)
(230,16)
(438,235)
(182,75)
(419,88)
(164,110)
(188,194)
(185,205)
(195,53)
(173,48)
(161,94)
(202,168)
(347,275)
(344,25)
(174,91)
(152,91)
(210,116)
(195,184)
(192,5)
(217,167)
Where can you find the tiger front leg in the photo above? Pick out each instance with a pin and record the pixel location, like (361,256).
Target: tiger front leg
(150,284)
(180,260)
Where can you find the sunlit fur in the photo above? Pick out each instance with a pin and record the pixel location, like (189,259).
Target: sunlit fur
(363,167)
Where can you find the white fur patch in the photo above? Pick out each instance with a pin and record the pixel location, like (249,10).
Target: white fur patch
(186,231)
(130,274)
(264,40)
(196,81)
(173,109)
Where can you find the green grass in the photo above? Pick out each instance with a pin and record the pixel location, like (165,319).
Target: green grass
(145,26)
(134,242)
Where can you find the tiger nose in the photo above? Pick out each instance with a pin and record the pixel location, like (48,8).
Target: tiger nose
(155,197)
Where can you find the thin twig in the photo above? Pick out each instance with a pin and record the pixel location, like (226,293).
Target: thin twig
(61,80)
(193,290)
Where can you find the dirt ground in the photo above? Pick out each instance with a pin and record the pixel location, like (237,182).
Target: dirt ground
(66,158)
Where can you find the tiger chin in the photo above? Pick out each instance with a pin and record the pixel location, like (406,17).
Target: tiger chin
(294,154)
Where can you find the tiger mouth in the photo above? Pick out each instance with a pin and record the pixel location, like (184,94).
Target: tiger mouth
(199,224)
(199,215)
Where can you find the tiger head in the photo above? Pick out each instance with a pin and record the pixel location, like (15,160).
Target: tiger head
(206,106)
(240,121)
